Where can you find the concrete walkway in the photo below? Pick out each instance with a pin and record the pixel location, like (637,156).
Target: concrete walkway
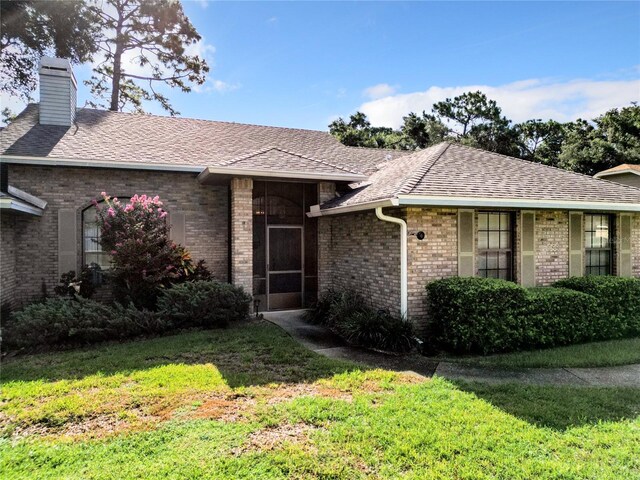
(324,342)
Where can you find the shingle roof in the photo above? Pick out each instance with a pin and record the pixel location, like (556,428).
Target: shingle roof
(452,170)
(625,167)
(100,135)
(278,159)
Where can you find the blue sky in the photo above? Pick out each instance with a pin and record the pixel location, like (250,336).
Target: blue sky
(303,64)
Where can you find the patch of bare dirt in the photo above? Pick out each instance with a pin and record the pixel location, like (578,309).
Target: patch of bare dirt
(271,438)
(91,427)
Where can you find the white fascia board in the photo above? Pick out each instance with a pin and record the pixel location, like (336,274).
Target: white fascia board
(316,211)
(440,201)
(245,172)
(617,172)
(66,162)
(18,206)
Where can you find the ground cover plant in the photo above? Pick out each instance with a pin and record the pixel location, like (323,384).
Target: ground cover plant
(248,402)
(68,321)
(349,314)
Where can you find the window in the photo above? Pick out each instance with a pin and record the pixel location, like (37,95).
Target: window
(598,231)
(495,245)
(91,249)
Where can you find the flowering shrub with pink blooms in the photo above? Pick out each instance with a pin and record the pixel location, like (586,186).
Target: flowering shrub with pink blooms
(144,259)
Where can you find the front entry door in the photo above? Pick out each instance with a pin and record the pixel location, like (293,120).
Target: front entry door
(284,267)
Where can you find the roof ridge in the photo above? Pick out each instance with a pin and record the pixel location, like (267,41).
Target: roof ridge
(267,149)
(110,112)
(419,174)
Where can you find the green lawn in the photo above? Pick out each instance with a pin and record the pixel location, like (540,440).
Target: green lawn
(248,402)
(596,354)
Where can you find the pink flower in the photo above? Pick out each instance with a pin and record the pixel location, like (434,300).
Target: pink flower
(113,252)
(163,214)
(128,208)
(111,212)
(94,202)
(103,194)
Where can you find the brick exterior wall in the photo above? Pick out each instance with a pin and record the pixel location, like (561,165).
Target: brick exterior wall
(9,224)
(242,233)
(551,246)
(361,252)
(430,259)
(635,245)
(36,251)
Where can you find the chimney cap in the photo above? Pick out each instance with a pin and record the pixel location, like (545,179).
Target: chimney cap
(57,66)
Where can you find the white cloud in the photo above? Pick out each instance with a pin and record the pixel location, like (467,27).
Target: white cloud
(378,91)
(272,20)
(522,100)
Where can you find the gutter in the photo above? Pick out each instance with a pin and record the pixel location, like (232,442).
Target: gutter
(404,280)
(315,210)
(292,174)
(66,162)
(19,206)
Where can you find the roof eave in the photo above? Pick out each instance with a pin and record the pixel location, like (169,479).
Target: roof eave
(211,173)
(523,203)
(317,211)
(68,162)
(617,172)
(16,205)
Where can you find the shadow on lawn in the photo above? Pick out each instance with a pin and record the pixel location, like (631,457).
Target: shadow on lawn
(245,354)
(559,407)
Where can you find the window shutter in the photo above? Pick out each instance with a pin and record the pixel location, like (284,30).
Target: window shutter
(177,227)
(527,249)
(624,249)
(576,244)
(466,240)
(67,241)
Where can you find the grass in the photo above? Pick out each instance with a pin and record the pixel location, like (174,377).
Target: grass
(597,354)
(248,402)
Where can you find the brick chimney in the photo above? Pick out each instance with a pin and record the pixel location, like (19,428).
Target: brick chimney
(58,91)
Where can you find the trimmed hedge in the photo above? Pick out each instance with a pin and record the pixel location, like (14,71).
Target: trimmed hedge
(470,315)
(478,315)
(204,304)
(618,296)
(349,314)
(559,316)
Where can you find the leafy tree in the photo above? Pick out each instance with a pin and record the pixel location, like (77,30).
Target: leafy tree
(30,29)
(473,119)
(612,139)
(156,33)
(540,141)
(422,131)
(358,132)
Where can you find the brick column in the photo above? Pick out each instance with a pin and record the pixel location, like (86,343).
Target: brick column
(242,233)
(326,191)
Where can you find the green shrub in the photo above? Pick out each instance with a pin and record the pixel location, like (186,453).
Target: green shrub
(475,315)
(204,304)
(377,330)
(559,316)
(619,297)
(350,315)
(58,321)
(334,305)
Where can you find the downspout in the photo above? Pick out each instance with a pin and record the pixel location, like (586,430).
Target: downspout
(403,258)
